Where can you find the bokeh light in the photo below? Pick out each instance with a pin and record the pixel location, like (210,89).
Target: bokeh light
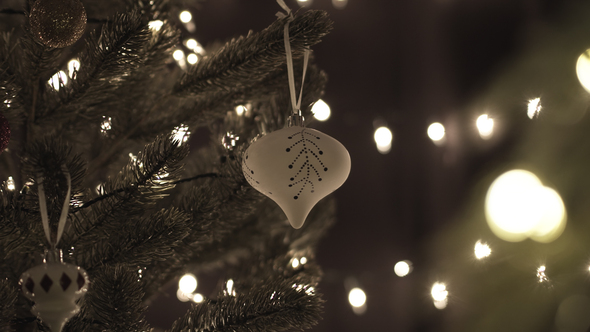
(304,3)
(339,4)
(321,110)
(73,67)
(295,263)
(383,138)
(188,283)
(155,25)
(518,206)
(357,297)
(485,126)
(541,276)
(59,78)
(534,108)
(198,298)
(192,58)
(185,16)
(436,131)
(482,250)
(10,184)
(439,295)
(583,69)
(178,55)
(402,268)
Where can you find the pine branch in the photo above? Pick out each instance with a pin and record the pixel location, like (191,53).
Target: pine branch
(271,305)
(139,185)
(246,61)
(114,302)
(9,295)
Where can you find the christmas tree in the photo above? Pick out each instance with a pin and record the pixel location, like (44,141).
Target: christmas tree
(98,119)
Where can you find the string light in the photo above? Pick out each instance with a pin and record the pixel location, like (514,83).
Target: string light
(541,276)
(321,110)
(188,283)
(383,138)
(534,108)
(181,133)
(295,263)
(155,25)
(240,109)
(73,67)
(58,79)
(198,298)
(436,132)
(106,125)
(485,126)
(185,16)
(357,297)
(583,70)
(402,268)
(304,3)
(178,55)
(229,285)
(482,250)
(439,295)
(10,184)
(192,58)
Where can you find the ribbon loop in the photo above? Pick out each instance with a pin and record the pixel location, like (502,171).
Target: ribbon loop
(64,211)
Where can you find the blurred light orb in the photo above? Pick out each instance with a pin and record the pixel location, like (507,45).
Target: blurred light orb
(321,110)
(583,69)
(10,184)
(295,263)
(198,298)
(192,58)
(482,250)
(357,297)
(485,126)
(188,283)
(303,260)
(436,131)
(240,109)
(185,16)
(191,43)
(339,4)
(402,268)
(59,78)
(518,206)
(304,3)
(178,55)
(534,108)
(440,295)
(541,276)
(383,138)
(182,296)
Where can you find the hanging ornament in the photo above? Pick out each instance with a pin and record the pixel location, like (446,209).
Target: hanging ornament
(296,166)
(54,286)
(58,23)
(4,133)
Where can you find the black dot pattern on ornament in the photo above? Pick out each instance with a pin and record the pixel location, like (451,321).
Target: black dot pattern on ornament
(46,283)
(246,170)
(311,151)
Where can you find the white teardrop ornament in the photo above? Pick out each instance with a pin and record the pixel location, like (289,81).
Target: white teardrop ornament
(296,167)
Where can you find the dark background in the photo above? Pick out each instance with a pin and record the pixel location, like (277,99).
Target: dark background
(405,64)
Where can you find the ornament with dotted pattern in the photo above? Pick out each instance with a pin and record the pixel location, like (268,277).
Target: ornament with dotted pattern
(58,23)
(54,286)
(296,167)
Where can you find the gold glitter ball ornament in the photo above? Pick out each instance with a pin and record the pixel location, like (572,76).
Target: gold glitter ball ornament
(58,23)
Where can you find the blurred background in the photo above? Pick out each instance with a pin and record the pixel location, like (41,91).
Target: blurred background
(467,205)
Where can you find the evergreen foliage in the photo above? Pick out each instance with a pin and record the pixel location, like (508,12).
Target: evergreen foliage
(146,207)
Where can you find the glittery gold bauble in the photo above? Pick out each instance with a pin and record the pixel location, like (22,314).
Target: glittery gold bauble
(58,23)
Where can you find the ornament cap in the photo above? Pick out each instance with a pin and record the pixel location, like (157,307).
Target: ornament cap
(296,119)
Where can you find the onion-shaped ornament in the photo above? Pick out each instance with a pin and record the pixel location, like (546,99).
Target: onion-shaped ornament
(296,167)
(54,286)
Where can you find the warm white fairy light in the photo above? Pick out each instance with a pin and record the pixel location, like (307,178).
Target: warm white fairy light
(583,70)
(188,283)
(192,58)
(295,263)
(155,25)
(357,297)
(482,250)
(402,268)
(181,133)
(485,126)
(304,3)
(541,276)
(198,298)
(439,295)
(339,4)
(185,16)
(73,67)
(178,55)
(10,184)
(321,110)
(106,125)
(303,260)
(436,131)
(59,78)
(534,108)
(383,138)
(193,44)
(182,296)
(229,285)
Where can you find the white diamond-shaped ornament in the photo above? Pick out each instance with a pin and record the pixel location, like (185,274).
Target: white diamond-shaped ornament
(296,167)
